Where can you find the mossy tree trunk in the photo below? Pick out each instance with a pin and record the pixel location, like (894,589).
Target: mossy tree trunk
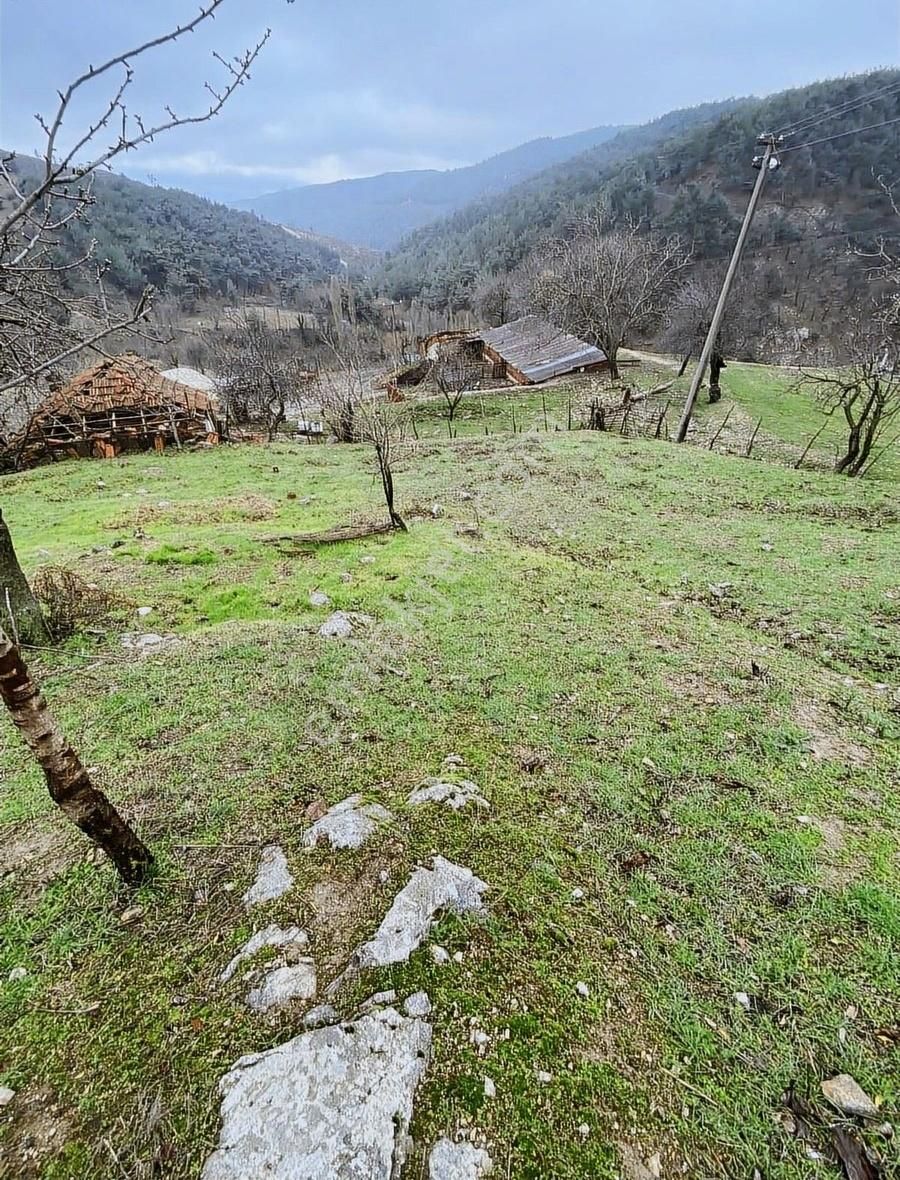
(69,783)
(19,609)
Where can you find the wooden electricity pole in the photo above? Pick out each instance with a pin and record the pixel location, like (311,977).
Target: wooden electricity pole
(767,162)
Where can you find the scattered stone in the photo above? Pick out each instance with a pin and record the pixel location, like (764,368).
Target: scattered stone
(272,936)
(17,974)
(479,1038)
(346,576)
(148,643)
(584,1130)
(337,626)
(380,1000)
(341,624)
(437,511)
(466,496)
(846,1095)
(143,611)
(543,1077)
(439,955)
(318,598)
(418,1004)
(458,1161)
(322,1015)
(446,886)
(886,1130)
(6,1095)
(282,986)
(458,957)
(743,1000)
(577,895)
(583,990)
(367,559)
(490,1089)
(332,1102)
(273,878)
(454,760)
(348,824)
(383,876)
(132,914)
(456,795)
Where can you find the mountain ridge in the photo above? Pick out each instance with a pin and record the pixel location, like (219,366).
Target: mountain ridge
(377,211)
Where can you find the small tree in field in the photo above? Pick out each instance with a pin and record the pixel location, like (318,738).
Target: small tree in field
(606,283)
(383,424)
(261,371)
(451,375)
(863,390)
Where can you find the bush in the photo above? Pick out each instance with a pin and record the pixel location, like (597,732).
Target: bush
(71,603)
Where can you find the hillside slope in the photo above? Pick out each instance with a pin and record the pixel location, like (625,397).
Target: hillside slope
(683,732)
(688,173)
(186,245)
(376,211)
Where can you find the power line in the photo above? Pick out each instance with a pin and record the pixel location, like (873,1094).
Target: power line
(837,109)
(847,108)
(795,147)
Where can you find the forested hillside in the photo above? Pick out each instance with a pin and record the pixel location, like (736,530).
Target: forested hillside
(376,211)
(187,246)
(689,173)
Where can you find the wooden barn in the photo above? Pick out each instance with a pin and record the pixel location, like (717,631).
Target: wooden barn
(530,350)
(121,404)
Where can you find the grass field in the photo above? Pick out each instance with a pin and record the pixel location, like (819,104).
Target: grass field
(702,651)
(789,416)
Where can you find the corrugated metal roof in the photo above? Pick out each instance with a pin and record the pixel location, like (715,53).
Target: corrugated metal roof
(183,375)
(538,349)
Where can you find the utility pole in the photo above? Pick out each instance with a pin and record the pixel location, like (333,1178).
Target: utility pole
(766,163)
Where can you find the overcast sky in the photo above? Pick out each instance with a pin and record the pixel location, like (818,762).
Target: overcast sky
(354,87)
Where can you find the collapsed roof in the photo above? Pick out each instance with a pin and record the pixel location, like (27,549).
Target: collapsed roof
(122,403)
(535,350)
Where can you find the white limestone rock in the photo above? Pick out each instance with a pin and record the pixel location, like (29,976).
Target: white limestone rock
(273,877)
(418,1004)
(846,1095)
(348,824)
(332,1102)
(284,985)
(446,886)
(6,1095)
(342,624)
(453,794)
(272,936)
(458,1161)
(319,1017)
(318,598)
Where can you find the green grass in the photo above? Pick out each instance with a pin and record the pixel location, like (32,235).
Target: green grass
(610,617)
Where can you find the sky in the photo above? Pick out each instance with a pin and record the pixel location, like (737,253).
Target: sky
(347,88)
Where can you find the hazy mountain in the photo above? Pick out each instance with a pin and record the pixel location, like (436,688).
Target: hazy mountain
(377,211)
(689,173)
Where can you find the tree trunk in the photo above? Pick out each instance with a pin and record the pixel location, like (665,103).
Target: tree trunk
(67,780)
(612,356)
(18,606)
(387,482)
(684,364)
(716,365)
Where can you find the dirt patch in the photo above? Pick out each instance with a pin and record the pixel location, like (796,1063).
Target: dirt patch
(826,742)
(340,910)
(693,686)
(34,853)
(836,869)
(36,1130)
(227,509)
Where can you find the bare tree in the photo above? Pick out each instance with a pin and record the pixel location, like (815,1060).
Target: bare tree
(383,424)
(493,299)
(690,311)
(346,382)
(53,310)
(452,375)
(864,389)
(606,284)
(261,370)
